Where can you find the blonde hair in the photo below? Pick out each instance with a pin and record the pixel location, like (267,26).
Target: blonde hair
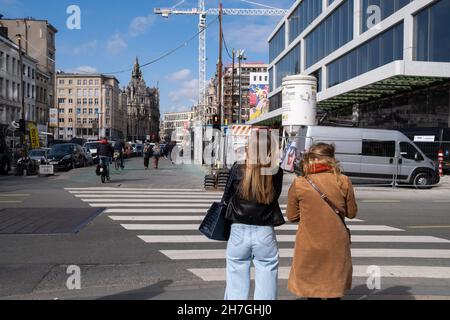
(324,154)
(256,186)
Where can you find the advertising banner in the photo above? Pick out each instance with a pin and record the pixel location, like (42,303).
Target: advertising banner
(34,136)
(259,103)
(53,115)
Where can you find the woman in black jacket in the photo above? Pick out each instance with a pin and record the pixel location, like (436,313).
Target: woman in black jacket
(252,197)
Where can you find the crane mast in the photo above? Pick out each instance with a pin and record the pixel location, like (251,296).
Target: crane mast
(202,13)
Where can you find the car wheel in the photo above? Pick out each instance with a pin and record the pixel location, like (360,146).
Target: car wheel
(422,180)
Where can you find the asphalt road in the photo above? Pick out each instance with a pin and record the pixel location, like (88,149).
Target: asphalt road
(136,238)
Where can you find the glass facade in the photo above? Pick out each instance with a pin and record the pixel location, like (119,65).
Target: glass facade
(277,44)
(303,16)
(387,7)
(432,35)
(289,65)
(318,75)
(331,34)
(271,79)
(381,50)
(276,102)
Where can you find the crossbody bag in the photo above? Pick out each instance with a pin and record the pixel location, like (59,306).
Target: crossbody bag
(335,209)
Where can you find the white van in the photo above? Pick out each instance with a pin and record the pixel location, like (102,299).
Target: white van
(369,155)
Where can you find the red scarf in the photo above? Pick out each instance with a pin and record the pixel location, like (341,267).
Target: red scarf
(319,168)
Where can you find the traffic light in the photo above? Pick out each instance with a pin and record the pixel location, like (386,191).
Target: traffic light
(216,122)
(22,126)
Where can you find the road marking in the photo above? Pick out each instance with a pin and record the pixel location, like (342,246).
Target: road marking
(165,218)
(192,227)
(146,205)
(161,210)
(289,253)
(291,238)
(208,201)
(14,195)
(441,201)
(380,201)
(429,227)
(219,274)
(134,189)
(139,196)
(11,201)
(147,192)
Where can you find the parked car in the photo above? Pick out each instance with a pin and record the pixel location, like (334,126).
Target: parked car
(139,150)
(5,159)
(92,147)
(368,155)
(89,158)
(40,155)
(67,156)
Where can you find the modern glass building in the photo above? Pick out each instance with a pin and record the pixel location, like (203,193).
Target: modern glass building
(379,63)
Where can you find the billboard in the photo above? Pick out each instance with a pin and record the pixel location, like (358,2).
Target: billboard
(259,102)
(34,136)
(53,118)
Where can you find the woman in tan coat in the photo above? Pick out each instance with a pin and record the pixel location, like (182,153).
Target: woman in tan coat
(322,265)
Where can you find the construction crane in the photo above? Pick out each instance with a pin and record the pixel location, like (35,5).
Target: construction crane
(202,13)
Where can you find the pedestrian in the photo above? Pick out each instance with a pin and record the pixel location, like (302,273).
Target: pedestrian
(156,155)
(322,264)
(147,155)
(105,153)
(252,196)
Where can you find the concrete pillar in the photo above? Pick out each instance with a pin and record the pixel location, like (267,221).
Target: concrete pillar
(408,40)
(357,14)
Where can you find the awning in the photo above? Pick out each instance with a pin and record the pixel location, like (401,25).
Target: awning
(378,90)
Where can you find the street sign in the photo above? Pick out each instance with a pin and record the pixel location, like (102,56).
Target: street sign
(34,136)
(46,170)
(53,117)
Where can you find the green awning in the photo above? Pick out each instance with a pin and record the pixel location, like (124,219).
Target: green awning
(378,90)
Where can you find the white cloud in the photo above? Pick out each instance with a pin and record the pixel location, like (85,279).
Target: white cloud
(180,75)
(85,48)
(116,44)
(84,70)
(140,25)
(188,93)
(250,37)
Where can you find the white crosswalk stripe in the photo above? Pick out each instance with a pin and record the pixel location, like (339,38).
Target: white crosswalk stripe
(169,219)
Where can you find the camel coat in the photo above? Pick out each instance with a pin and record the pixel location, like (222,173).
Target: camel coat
(322,264)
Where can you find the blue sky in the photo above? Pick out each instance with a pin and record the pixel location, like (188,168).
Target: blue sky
(114,32)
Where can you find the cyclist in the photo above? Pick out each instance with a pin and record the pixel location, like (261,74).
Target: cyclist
(119,147)
(105,153)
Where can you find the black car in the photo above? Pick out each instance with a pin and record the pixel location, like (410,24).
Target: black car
(67,156)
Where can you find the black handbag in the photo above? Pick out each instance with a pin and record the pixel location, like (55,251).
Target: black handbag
(215,226)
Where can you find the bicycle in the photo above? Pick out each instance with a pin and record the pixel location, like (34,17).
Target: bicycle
(104,169)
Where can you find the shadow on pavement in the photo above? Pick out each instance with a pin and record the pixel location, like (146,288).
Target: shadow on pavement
(392,293)
(140,294)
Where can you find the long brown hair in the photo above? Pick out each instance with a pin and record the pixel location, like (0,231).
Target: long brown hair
(255,184)
(321,154)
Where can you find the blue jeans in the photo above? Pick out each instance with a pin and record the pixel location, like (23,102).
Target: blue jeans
(106,161)
(252,243)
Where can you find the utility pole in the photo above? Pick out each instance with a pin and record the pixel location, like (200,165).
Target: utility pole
(232,88)
(22,134)
(219,72)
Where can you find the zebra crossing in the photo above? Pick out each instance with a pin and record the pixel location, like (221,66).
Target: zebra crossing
(169,219)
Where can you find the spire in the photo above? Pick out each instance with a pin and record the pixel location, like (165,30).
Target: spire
(137,70)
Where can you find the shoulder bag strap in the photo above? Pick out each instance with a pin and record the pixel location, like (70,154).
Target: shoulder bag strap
(335,209)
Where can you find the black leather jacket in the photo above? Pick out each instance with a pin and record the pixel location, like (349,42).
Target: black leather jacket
(252,212)
(105,150)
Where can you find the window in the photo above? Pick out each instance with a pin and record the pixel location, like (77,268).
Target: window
(377,52)
(61,82)
(384,149)
(7,63)
(85,101)
(289,65)
(70,81)
(1,59)
(1,87)
(303,16)
(408,151)
(91,82)
(432,39)
(331,34)
(70,110)
(79,101)
(277,43)
(79,82)
(388,7)
(91,101)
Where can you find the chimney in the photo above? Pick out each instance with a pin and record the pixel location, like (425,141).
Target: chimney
(4,32)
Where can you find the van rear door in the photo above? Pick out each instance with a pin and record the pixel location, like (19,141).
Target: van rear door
(378,161)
